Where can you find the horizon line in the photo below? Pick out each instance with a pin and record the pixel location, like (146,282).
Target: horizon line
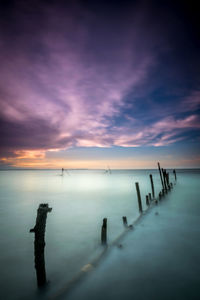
(85,169)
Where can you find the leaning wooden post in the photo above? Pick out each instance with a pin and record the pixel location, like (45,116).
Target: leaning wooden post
(104,232)
(152,186)
(139,197)
(174,171)
(160,175)
(39,243)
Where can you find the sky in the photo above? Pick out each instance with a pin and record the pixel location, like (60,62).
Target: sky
(91,84)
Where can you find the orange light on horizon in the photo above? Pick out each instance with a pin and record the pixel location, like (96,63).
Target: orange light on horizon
(37,159)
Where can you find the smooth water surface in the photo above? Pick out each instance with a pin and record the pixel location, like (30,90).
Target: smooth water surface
(80,200)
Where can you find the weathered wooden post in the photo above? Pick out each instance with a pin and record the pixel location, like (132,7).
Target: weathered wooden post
(125,221)
(174,171)
(167,177)
(160,175)
(139,197)
(152,185)
(164,179)
(104,232)
(39,243)
(149,197)
(147,200)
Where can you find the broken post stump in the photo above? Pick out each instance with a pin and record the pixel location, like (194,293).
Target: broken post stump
(147,200)
(152,186)
(104,232)
(149,197)
(39,243)
(125,221)
(139,197)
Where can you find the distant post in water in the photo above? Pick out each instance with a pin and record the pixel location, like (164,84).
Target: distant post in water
(147,200)
(152,186)
(174,171)
(167,177)
(164,179)
(104,232)
(125,221)
(139,197)
(160,175)
(39,243)
(149,197)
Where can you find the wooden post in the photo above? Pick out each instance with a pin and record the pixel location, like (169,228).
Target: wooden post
(149,197)
(139,197)
(167,177)
(160,175)
(152,186)
(168,184)
(164,179)
(39,243)
(147,200)
(125,221)
(174,171)
(104,232)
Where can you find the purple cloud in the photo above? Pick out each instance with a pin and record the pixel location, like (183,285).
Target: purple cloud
(63,86)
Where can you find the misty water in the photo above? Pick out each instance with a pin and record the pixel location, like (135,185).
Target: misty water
(80,200)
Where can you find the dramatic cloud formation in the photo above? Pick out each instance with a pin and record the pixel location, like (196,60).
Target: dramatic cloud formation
(86,75)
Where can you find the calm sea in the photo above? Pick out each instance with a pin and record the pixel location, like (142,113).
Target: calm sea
(80,199)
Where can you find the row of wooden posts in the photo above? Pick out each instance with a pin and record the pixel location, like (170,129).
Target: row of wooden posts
(166,186)
(43,209)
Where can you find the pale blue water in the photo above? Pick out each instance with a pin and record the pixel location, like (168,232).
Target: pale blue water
(80,200)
